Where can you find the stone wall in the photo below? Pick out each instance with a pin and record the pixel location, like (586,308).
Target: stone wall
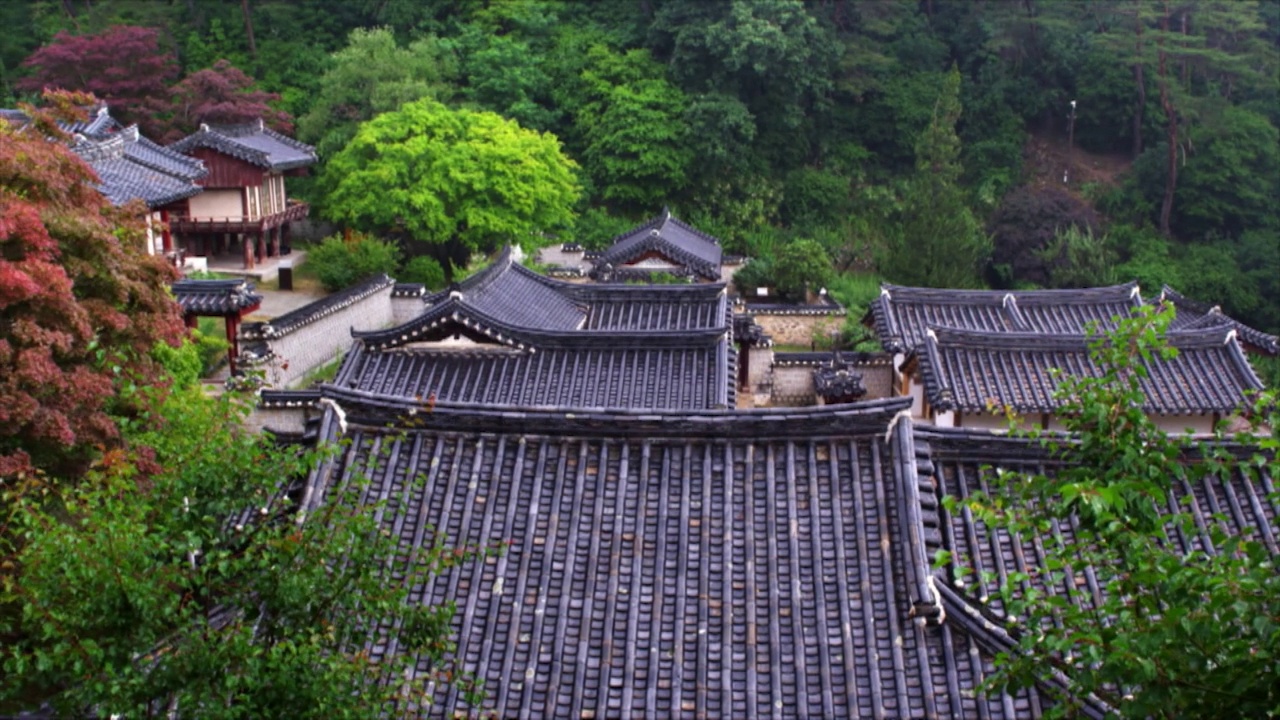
(793,386)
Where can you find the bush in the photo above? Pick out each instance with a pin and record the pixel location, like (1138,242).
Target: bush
(1026,225)
(339,264)
(757,273)
(423,269)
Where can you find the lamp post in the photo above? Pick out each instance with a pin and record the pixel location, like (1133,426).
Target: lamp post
(1071,137)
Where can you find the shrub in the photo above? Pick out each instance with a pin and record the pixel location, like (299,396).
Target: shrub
(423,269)
(1026,225)
(339,264)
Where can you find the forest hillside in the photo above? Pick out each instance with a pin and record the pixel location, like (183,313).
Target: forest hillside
(1035,143)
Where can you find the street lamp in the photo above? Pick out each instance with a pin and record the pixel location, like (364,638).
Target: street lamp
(1071,137)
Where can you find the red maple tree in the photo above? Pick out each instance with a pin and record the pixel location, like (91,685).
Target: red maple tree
(81,303)
(223,95)
(123,66)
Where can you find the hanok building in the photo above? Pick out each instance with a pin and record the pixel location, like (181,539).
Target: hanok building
(970,357)
(662,245)
(669,555)
(509,336)
(131,167)
(244,200)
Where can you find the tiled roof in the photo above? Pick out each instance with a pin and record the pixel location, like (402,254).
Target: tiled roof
(903,314)
(981,561)
(253,143)
(538,342)
(671,238)
(130,167)
(97,122)
(1194,315)
(731,564)
(215,297)
(312,312)
(972,371)
(643,375)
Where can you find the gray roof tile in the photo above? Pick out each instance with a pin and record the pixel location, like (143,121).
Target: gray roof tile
(253,143)
(971,371)
(755,567)
(698,252)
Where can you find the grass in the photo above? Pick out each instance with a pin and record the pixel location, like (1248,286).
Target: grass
(322,374)
(855,290)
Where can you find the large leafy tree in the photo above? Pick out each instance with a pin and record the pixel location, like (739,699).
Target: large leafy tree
(457,181)
(1174,630)
(123,66)
(81,303)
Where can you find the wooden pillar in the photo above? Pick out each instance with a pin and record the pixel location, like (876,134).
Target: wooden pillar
(232,323)
(260,241)
(275,242)
(248,253)
(286,238)
(166,238)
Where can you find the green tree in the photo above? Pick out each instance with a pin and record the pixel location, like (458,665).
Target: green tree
(936,241)
(630,121)
(801,265)
(339,263)
(372,75)
(458,181)
(183,576)
(1174,632)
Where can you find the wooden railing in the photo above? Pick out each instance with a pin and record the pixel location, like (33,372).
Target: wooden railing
(294,210)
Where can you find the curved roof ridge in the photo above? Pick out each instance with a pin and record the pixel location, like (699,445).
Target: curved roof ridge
(908,293)
(869,417)
(1181,338)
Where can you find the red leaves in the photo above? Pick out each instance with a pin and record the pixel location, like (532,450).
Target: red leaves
(123,66)
(76,303)
(224,95)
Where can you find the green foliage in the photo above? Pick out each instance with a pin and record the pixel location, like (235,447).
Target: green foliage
(1026,233)
(1176,632)
(596,228)
(371,75)
(815,198)
(1231,182)
(423,269)
(339,264)
(455,181)
(183,363)
(934,239)
(801,265)
(181,574)
(635,149)
(1079,259)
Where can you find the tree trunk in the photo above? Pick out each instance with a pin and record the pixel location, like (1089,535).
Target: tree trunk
(1166,102)
(248,28)
(1142,88)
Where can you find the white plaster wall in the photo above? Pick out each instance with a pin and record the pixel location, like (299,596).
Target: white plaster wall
(281,420)
(404,309)
(945,419)
(217,204)
(759,366)
(916,391)
(322,341)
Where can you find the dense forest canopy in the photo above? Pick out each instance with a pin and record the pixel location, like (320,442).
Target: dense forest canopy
(1000,143)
